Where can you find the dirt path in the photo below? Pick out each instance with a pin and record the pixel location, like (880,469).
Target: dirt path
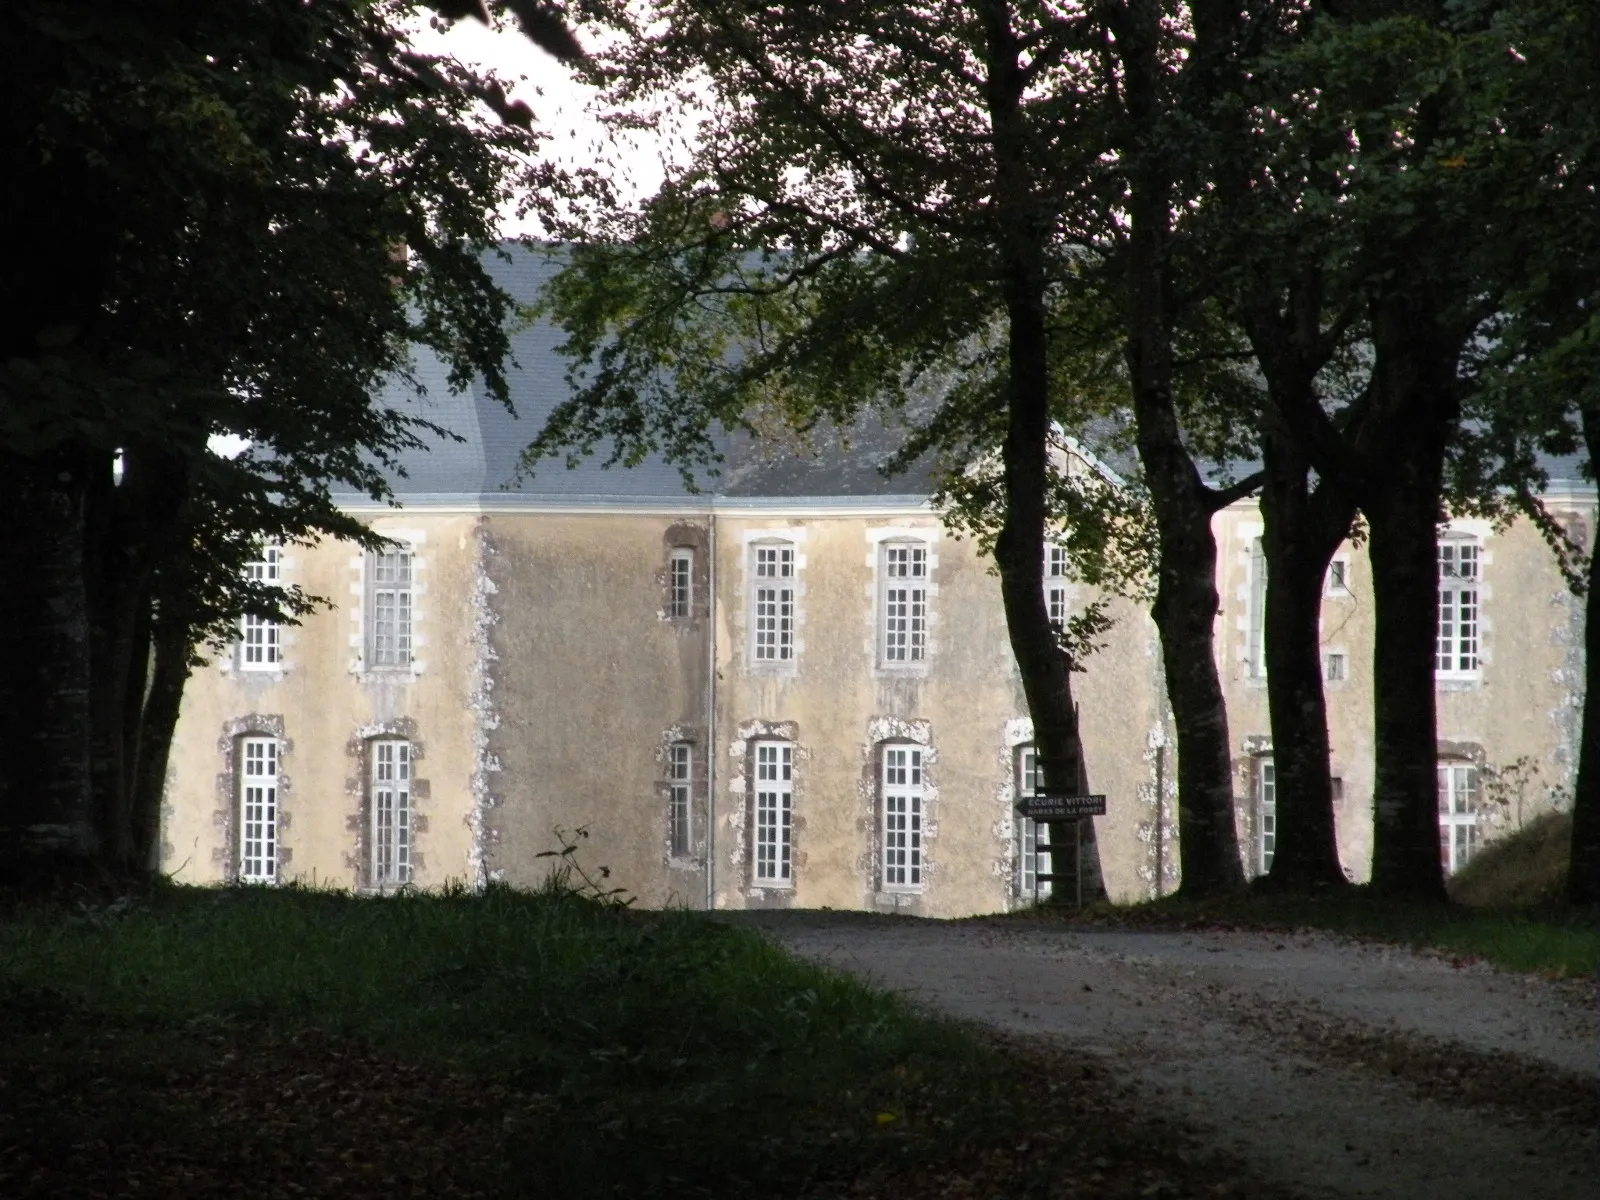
(1338,1068)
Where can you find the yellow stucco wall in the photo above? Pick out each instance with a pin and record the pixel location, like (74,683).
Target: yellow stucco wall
(550,680)
(324,708)
(1522,705)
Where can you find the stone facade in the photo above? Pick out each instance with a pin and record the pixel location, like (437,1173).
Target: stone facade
(803,647)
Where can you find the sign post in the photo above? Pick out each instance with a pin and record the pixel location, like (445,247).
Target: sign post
(1057,805)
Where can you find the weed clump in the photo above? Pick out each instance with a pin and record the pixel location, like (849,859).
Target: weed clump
(1527,867)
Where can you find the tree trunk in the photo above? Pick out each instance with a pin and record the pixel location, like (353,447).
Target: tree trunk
(46,814)
(168,673)
(1583,871)
(1301,532)
(134,527)
(1186,594)
(1019,548)
(1403,551)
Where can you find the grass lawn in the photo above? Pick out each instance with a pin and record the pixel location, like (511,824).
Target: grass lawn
(280,1042)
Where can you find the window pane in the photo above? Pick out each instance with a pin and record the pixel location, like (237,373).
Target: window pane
(902,816)
(680,583)
(258,810)
(391,813)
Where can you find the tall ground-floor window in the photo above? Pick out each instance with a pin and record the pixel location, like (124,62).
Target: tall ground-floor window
(391,813)
(258,810)
(1266,813)
(902,794)
(1030,834)
(680,767)
(1458,814)
(774,805)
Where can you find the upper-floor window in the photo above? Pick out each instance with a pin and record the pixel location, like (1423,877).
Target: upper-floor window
(680,813)
(390,804)
(903,603)
(772,566)
(1031,861)
(1055,583)
(258,809)
(900,801)
(774,813)
(1337,582)
(1458,814)
(389,608)
(680,583)
(260,638)
(1456,650)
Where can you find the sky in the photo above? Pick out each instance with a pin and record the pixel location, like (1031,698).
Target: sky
(559,102)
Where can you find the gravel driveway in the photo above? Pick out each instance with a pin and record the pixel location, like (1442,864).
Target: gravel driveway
(1334,1067)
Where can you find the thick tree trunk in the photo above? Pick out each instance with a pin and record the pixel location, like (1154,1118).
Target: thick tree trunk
(1583,871)
(46,814)
(169,670)
(133,528)
(1186,594)
(1301,532)
(1019,548)
(1403,550)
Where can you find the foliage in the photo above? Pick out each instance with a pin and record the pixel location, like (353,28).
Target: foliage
(232,219)
(1524,868)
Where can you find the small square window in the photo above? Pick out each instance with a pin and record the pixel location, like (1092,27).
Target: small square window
(1333,666)
(1338,583)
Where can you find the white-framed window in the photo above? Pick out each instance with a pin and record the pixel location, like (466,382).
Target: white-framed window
(1266,813)
(1457,644)
(391,813)
(260,639)
(772,566)
(903,603)
(1337,582)
(680,583)
(1458,814)
(1335,666)
(901,793)
(680,814)
(1055,584)
(1031,862)
(774,812)
(258,810)
(1256,635)
(390,588)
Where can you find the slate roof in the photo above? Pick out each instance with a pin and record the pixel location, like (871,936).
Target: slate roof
(832,465)
(482,470)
